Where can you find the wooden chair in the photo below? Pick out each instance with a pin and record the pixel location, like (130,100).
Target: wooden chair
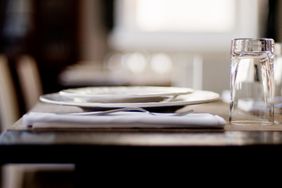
(13,175)
(9,111)
(29,80)
(30,85)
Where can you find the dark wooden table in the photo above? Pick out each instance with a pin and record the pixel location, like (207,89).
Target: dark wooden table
(162,155)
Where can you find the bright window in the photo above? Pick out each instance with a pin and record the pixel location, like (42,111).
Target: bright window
(183,25)
(186,15)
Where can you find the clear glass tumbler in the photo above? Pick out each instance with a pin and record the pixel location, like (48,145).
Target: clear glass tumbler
(252,81)
(278,74)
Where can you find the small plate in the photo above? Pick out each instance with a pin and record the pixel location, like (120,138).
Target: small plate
(122,94)
(196,97)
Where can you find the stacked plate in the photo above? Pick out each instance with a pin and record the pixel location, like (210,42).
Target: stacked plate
(132,96)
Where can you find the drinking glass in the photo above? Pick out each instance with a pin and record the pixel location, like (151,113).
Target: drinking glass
(252,81)
(278,74)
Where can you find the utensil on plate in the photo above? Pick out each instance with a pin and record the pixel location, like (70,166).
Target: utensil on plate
(127,109)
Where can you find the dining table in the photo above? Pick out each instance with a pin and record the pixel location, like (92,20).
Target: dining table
(141,156)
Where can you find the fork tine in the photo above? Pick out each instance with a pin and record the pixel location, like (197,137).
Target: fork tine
(125,109)
(111,111)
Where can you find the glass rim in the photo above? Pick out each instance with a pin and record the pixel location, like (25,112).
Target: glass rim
(253,39)
(252,45)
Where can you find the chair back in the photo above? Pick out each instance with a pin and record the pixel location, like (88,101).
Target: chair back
(9,111)
(29,80)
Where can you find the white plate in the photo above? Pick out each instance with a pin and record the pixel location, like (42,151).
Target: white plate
(194,98)
(121,94)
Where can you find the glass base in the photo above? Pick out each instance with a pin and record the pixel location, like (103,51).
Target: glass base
(251,122)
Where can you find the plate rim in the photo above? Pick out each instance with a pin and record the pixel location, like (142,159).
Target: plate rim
(86,104)
(183,90)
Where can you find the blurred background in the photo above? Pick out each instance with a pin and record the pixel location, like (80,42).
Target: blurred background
(123,42)
(49,45)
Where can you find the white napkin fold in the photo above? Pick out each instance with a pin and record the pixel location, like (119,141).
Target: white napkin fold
(122,120)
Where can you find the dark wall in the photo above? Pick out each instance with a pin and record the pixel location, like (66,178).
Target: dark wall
(48,30)
(44,29)
(56,36)
(271,30)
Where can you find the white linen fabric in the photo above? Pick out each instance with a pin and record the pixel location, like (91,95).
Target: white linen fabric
(122,120)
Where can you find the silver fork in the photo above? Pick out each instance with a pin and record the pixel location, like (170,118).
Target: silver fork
(125,109)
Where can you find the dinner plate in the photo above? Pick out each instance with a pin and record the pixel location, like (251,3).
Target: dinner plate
(198,96)
(122,94)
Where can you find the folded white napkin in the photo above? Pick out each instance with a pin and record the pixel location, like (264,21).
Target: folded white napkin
(122,120)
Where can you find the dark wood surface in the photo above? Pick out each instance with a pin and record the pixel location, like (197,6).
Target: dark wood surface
(110,151)
(88,142)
